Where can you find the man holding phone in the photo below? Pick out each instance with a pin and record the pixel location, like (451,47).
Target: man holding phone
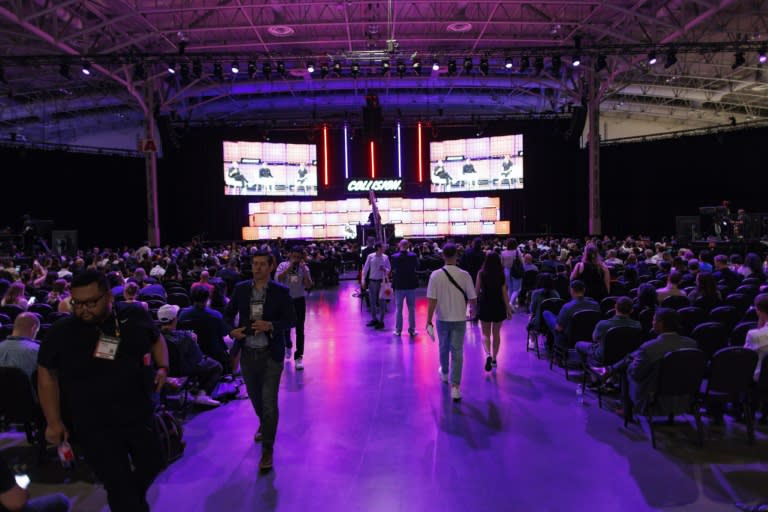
(294,274)
(265,314)
(15,497)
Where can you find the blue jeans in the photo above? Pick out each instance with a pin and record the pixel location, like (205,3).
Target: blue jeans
(51,503)
(410,301)
(261,375)
(377,305)
(451,338)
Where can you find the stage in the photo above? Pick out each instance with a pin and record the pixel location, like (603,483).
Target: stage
(369,427)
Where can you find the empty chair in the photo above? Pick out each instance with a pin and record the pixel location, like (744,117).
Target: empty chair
(752,281)
(179,299)
(707,303)
(711,337)
(607,304)
(618,289)
(155,303)
(731,379)
(739,333)
(18,404)
(41,308)
(726,315)
(55,317)
(11,310)
(750,290)
(690,317)
(739,301)
(677,389)
(617,343)
(675,302)
(750,315)
(554,305)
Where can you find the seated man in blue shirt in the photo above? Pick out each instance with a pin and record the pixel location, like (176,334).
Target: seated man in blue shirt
(207,323)
(592,353)
(560,327)
(19,350)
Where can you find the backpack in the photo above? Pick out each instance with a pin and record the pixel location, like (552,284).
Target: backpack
(170,436)
(516,271)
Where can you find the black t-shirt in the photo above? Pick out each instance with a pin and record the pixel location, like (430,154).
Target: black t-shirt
(98,393)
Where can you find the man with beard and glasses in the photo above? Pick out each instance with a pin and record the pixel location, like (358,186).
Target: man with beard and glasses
(94,371)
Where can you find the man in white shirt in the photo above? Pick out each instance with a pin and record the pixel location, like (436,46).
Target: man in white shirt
(375,270)
(294,273)
(449,290)
(757,339)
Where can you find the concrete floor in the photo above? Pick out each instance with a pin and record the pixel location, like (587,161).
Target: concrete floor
(369,427)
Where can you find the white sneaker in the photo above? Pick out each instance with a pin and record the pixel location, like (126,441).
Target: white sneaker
(288,352)
(300,364)
(455,393)
(443,376)
(203,399)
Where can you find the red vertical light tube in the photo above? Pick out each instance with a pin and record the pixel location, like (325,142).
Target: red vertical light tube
(421,158)
(373,161)
(325,155)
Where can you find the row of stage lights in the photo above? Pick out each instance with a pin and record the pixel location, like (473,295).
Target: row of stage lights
(400,67)
(194,68)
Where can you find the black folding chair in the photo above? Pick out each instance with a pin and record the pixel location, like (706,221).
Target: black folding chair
(617,344)
(690,317)
(676,302)
(679,380)
(731,380)
(739,333)
(607,304)
(710,337)
(726,315)
(18,404)
(740,301)
(12,310)
(581,328)
(554,305)
(179,299)
(41,309)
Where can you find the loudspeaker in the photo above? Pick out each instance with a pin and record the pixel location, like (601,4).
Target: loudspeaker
(687,228)
(372,117)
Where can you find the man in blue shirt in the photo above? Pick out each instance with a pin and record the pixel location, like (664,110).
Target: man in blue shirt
(593,352)
(19,350)
(560,327)
(207,324)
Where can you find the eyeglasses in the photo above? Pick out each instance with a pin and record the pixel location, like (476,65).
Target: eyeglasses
(88,304)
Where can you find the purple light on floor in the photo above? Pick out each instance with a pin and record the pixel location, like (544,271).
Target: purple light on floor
(346,151)
(399,153)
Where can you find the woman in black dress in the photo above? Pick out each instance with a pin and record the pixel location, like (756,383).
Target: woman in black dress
(492,305)
(594,273)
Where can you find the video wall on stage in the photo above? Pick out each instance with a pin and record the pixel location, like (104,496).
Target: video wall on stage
(477,164)
(269,169)
(411,217)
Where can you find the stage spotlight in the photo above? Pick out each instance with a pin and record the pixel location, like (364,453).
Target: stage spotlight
(508,63)
(218,71)
(266,70)
(400,68)
(738,60)
(484,66)
(538,64)
(671,59)
(85,68)
(197,68)
(281,68)
(576,62)
(451,67)
(251,68)
(172,67)
(435,65)
(324,70)
(337,68)
(235,68)
(467,65)
(652,58)
(355,69)
(384,66)
(601,63)
(556,64)
(65,71)
(762,58)
(310,67)
(525,63)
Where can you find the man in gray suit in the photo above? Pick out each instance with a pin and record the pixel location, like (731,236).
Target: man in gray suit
(642,365)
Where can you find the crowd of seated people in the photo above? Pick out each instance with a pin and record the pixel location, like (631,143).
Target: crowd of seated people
(196,281)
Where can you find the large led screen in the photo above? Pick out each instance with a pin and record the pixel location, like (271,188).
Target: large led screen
(466,165)
(269,169)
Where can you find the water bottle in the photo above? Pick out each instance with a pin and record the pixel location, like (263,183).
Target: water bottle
(66,455)
(580,394)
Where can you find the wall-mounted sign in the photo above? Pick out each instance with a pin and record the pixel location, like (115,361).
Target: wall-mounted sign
(390,185)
